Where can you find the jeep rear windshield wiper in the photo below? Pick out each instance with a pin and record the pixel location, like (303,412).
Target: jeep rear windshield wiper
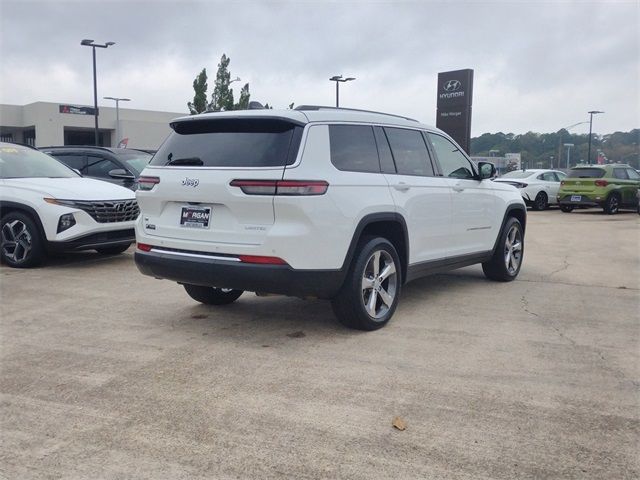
(185,161)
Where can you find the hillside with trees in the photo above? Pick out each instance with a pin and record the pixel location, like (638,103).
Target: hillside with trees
(543,150)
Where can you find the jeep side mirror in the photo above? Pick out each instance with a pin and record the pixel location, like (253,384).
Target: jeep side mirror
(486,170)
(121,173)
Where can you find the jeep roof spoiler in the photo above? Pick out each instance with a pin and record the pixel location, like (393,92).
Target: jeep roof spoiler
(322,107)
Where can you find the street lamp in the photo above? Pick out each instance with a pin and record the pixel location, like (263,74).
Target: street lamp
(591,114)
(569,146)
(560,141)
(117,100)
(338,79)
(89,43)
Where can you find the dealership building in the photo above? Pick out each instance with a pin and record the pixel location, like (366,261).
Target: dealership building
(42,124)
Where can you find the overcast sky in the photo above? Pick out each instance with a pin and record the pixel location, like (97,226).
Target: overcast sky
(539,66)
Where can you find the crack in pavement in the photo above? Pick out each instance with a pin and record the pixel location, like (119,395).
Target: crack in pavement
(563,267)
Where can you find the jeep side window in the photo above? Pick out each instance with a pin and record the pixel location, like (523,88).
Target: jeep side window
(453,163)
(353,148)
(409,152)
(386,159)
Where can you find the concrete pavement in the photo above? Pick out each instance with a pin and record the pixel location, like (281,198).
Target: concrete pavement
(107,374)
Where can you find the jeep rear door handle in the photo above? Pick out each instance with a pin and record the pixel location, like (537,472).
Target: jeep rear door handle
(403,187)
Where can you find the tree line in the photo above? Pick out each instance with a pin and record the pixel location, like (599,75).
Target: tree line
(546,150)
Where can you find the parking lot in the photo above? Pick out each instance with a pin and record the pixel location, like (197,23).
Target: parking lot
(106,373)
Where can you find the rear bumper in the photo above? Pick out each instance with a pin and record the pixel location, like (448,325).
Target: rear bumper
(111,238)
(585,201)
(278,279)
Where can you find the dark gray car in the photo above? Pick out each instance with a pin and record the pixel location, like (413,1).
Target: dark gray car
(121,166)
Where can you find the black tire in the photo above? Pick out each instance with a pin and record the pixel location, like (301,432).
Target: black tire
(349,305)
(496,268)
(113,250)
(567,208)
(212,295)
(21,245)
(541,202)
(612,205)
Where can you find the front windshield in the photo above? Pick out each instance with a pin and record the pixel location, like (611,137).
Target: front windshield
(135,161)
(17,161)
(517,174)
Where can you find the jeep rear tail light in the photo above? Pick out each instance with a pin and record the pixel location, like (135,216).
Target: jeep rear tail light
(147,183)
(281,187)
(601,183)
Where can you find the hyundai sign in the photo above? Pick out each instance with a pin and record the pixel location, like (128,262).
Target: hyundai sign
(455,91)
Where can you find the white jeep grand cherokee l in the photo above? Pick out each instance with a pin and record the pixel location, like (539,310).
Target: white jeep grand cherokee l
(320,202)
(45,206)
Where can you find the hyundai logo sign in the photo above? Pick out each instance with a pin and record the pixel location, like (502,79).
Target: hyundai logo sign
(452,86)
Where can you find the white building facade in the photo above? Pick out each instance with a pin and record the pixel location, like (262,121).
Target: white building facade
(43,124)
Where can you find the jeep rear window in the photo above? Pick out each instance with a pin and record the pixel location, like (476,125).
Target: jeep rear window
(231,143)
(586,173)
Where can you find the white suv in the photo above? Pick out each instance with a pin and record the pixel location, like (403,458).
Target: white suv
(320,202)
(45,206)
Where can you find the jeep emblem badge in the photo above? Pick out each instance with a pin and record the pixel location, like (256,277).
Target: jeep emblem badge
(190,182)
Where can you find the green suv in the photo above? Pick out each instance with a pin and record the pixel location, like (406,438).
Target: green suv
(610,187)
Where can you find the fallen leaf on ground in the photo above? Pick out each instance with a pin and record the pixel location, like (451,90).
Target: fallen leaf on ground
(399,423)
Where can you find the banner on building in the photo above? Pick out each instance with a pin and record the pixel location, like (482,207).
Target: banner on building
(77,110)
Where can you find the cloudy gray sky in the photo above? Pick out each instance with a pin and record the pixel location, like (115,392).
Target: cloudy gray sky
(538,65)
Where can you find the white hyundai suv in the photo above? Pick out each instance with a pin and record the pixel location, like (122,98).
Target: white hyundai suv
(45,206)
(320,202)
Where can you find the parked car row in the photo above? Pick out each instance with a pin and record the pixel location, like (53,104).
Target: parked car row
(236,201)
(610,187)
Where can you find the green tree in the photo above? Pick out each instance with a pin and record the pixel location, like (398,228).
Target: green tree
(243,101)
(200,86)
(222,96)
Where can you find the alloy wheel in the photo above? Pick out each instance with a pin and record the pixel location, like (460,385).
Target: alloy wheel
(379,284)
(16,241)
(513,250)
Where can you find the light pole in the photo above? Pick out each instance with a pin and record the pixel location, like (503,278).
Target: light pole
(591,114)
(118,100)
(560,141)
(338,79)
(89,43)
(569,146)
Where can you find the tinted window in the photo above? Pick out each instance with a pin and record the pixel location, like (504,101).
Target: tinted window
(23,162)
(453,163)
(409,152)
(353,148)
(231,143)
(135,161)
(586,173)
(98,166)
(633,175)
(384,151)
(548,177)
(73,161)
(620,173)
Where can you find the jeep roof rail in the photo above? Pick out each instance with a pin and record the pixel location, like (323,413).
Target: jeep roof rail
(323,107)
